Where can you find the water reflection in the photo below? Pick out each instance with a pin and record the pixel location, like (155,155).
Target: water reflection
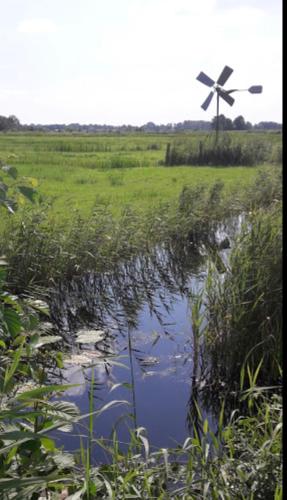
(152,353)
(115,298)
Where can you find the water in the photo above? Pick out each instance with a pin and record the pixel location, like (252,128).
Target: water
(144,310)
(162,367)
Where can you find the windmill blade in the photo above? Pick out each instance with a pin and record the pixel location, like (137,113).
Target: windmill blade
(255,89)
(226,96)
(207,101)
(225,74)
(203,78)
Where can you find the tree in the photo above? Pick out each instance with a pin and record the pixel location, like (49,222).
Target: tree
(10,123)
(223,123)
(239,123)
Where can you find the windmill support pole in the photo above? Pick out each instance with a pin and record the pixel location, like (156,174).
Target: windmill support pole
(217,117)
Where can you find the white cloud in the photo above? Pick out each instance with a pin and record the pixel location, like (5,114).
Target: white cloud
(35,26)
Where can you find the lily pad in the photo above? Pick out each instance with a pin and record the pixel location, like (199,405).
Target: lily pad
(90,336)
(85,358)
(149,361)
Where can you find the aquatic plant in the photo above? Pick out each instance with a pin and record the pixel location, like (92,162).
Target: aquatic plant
(245,307)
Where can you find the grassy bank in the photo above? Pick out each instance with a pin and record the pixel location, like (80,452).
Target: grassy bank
(79,172)
(41,246)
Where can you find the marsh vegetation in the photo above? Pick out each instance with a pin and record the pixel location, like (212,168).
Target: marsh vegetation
(166,304)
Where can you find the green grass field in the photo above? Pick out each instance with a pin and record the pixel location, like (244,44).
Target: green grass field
(81,171)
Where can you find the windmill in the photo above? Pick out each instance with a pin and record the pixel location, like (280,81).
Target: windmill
(217,87)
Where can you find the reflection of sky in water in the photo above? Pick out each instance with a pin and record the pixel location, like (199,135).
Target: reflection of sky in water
(162,345)
(162,388)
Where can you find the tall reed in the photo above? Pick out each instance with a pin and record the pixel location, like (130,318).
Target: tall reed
(245,306)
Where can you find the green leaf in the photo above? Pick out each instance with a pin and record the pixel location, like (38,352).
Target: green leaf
(59,360)
(3,187)
(15,435)
(2,192)
(11,205)
(42,391)
(15,483)
(48,443)
(39,305)
(12,321)
(78,495)
(11,370)
(33,181)
(205,426)
(257,371)
(102,409)
(28,192)
(12,171)
(62,409)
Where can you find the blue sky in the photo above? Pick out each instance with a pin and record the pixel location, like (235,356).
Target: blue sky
(133,61)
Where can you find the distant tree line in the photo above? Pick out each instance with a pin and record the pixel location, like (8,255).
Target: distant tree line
(11,123)
(224,123)
(239,123)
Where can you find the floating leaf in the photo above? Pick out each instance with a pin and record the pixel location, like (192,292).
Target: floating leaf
(148,361)
(90,336)
(47,339)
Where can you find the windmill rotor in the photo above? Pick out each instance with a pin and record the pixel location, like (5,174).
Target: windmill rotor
(225,74)
(225,96)
(217,86)
(203,78)
(207,101)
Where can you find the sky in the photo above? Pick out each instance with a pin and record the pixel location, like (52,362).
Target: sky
(133,61)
